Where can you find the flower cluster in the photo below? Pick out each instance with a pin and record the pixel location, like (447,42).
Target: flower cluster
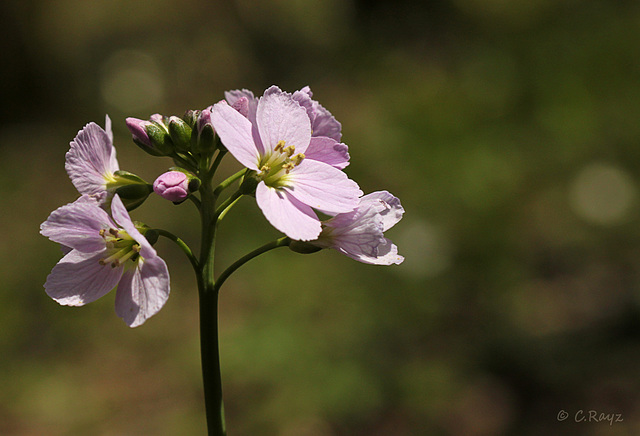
(294,161)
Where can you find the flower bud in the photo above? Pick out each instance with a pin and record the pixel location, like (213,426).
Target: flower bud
(180,133)
(159,136)
(190,117)
(176,185)
(150,135)
(203,137)
(242,106)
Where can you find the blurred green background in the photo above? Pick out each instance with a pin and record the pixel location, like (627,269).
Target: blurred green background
(510,131)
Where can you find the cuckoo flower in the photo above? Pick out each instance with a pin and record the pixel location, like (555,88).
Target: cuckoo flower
(91,161)
(289,185)
(359,234)
(325,145)
(105,252)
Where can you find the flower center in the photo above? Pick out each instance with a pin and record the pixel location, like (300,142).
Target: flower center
(275,166)
(120,247)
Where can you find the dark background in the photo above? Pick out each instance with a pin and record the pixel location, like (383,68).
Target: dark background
(510,131)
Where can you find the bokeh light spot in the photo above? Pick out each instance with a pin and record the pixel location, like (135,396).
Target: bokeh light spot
(602,194)
(131,82)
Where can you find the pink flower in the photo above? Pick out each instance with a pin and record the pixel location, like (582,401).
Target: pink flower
(325,145)
(360,234)
(102,253)
(290,185)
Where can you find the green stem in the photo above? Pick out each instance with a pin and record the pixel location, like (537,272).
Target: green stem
(208,298)
(222,209)
(216,162)
(225,184)
(281,242)
(183,246)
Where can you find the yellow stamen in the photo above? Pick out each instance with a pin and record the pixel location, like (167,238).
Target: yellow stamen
(288,167)
(289,150)
(279,146)
(298,158)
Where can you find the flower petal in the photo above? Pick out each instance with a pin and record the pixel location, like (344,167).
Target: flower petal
(234,98)
(91,160)
(389,207)
(235,132)
(323,187)
(77,225)
(324,124)
(79,278)
(329,151)
(121,216)
(285,213)
(142,291)
(280,118)
(107,127)
(385,253)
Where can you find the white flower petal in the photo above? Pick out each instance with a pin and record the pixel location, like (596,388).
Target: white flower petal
(285,213)
(79,278)
(142,291)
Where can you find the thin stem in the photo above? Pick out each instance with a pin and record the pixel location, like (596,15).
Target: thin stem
(225,183)
(227,204)
(282,242)
(195,200)
(183,246)
(216,162)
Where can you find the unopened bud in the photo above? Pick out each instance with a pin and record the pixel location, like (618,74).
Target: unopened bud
(242,106)
(180,133)
(176,185)
(190,117)
(203,140)
(149,135)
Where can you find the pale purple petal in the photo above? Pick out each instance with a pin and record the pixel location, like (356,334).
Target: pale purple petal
(91,160)
(324,124)
(280,118)
(121,216)
(235,132)
(285,213)
(79,278)
(234,97)
(387,254)
(390,208)
(77,225)
(329,151)
(142,291)
(107,128)
(323,187)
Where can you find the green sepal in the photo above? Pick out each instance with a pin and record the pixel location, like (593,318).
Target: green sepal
(159,136)
(303,247)
(249,183)
(180,133)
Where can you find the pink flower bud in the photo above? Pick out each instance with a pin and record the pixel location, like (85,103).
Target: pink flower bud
(138,129)
(172,186)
